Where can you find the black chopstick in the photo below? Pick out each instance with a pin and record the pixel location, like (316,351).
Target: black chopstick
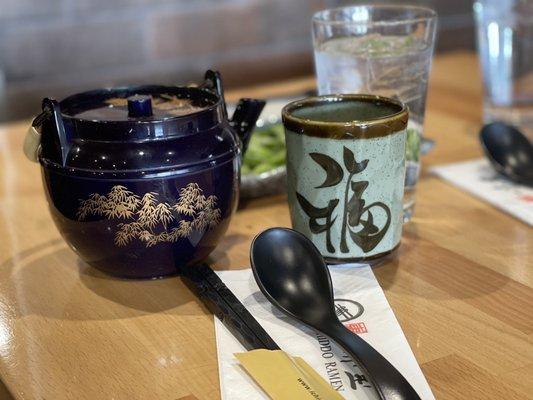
(222,302)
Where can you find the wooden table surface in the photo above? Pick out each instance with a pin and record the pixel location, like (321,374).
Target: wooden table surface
(462,287)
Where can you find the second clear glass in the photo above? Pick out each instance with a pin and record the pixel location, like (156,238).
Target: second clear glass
(383,50)
(505,47)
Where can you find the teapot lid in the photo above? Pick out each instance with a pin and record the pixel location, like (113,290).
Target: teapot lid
(137,104)
(139,112)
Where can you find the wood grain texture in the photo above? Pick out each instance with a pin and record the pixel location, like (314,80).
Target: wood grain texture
(461,286)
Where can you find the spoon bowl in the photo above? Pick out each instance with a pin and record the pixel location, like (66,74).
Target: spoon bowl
(509,151)
(303,275)
(292,274)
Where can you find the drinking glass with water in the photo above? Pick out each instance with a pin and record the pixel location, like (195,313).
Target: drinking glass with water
(383,50)
(505,46)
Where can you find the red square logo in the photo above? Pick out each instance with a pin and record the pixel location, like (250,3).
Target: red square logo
(357,327)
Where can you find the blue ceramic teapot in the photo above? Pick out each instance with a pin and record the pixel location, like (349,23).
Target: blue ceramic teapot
(143,180)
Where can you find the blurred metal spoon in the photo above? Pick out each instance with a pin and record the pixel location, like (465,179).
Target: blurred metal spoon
(509,151)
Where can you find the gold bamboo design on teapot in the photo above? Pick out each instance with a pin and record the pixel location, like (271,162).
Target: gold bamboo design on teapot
(148,218)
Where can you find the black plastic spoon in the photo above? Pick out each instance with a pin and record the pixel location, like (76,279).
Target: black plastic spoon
(509,151)
(292,274)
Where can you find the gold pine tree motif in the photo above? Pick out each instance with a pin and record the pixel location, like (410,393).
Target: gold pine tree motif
(147,219)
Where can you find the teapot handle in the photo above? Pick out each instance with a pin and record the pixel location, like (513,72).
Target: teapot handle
(213,82)
(246,113)
(35,140)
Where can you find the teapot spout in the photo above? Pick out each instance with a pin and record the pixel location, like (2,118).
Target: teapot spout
(244,118)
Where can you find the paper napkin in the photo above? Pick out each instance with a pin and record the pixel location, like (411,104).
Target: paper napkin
(478,178)
(362,307)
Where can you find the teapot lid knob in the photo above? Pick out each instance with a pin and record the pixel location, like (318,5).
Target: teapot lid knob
(139,106)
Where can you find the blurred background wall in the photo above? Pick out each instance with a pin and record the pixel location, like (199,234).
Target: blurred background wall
(57,47)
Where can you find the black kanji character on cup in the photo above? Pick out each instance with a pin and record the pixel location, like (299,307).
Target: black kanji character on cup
(357,217)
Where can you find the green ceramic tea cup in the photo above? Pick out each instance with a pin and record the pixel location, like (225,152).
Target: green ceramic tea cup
(345,173)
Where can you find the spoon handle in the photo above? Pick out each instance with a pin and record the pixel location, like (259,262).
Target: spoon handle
(389,383)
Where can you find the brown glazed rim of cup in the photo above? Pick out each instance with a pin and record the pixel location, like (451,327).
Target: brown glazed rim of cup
(357,129)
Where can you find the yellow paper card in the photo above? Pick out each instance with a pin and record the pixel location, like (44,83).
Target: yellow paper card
(283,377)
